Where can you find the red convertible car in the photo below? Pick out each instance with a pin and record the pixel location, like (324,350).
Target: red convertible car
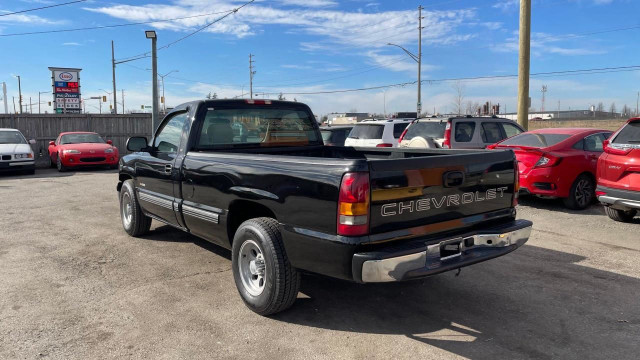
(558,162)
(74,149)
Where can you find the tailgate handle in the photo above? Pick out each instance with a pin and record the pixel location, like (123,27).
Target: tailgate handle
(453,178)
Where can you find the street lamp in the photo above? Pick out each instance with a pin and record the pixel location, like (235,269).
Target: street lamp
(99,101)
(151,34)
(19,93)
(417,59)
(164,100)
(40,92)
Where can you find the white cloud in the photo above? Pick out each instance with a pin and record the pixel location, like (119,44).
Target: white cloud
(309,3)
(505,5)
(28,19)
(543,44)
(71,44)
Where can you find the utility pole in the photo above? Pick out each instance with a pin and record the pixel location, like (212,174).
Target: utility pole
(251,73)
(4,97)
(30,106)
(113,74)
(558,109)
(544,90)
(524,63)
(122,100)
(419,105)
(151,34)
(14,104)
(19,93)
(40,92)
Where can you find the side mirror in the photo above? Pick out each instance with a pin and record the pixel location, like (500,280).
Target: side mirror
(109,142)
(32,141)
(51,143)
(136,143)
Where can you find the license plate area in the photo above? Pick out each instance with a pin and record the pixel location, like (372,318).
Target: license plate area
(450,249)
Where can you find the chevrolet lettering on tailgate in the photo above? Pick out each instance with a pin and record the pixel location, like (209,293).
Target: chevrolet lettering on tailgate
(448,200)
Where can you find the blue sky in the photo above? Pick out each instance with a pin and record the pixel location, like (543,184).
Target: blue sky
(324,45)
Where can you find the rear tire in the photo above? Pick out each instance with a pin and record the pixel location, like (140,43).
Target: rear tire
(620,215)
(134,221)
(581,194)
(263,275)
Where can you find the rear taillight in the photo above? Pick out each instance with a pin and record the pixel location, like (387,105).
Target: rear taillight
(616,149)
(258,102)
(547,160)
(353,204)
(516,186)
(384,145)
(447,136)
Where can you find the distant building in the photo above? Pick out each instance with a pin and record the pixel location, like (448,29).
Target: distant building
(566,115)
(346,118)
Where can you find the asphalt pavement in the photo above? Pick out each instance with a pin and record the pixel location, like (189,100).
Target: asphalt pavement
(74,285)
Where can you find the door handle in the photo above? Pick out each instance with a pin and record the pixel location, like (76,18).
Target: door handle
(167,169)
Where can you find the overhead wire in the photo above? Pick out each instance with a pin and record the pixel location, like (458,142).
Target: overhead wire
(40,8)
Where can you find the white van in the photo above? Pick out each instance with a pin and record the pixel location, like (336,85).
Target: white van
(377,133)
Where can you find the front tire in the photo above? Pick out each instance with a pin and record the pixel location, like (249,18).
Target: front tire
(59,164)
(581,194)
(620,215)
(263,275)
(134,221)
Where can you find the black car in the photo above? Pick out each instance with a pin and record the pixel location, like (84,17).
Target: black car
(284,202)
(335,135)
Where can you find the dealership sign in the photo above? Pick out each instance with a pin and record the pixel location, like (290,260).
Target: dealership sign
(66,89)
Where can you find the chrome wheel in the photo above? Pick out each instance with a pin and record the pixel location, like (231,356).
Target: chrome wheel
(252,267)
(127,209)
(583,193)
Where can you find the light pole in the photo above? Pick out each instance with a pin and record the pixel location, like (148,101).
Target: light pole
(40,92)
(151,34)
(19,93)
(99,101)
(384,102)
(417,59)
(164,100)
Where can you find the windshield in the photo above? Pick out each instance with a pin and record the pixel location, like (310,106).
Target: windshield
(266,126)
(535,140)
(630,134)
(81,139)
(12,137)
(366,131)
(426,129)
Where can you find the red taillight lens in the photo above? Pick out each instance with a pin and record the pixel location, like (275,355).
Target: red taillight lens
(258,102)
(447,136)
(516,186)
(384,145)
(353,204)
(547,160)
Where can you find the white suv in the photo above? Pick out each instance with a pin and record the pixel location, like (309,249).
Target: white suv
(15,152)
(377,133)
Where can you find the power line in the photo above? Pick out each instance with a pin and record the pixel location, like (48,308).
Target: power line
(145,54)
(115,25)
(42,7)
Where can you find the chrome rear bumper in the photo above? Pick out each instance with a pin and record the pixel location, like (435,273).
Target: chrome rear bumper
(473,248)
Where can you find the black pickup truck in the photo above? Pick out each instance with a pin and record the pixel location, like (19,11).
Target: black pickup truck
(254,176)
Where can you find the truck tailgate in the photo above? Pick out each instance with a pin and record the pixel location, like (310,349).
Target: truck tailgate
(438,189)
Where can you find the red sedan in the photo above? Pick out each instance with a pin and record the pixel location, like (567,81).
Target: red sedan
(558,162)
(73,149)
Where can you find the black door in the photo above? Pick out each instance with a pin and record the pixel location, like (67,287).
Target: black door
(155,172)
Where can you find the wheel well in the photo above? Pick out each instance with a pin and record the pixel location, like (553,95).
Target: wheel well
(243,210)
(589,174)
(123,178)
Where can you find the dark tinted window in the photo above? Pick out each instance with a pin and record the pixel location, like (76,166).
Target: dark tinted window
(630,134)
(593,143)
(399,128)
(510,129)
(579,145)
(367,131)
(464,131)
(491,132)
(426,129)
(536,140)
(168,139)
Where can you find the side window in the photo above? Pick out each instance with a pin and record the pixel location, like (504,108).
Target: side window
(490,132)
(510,129)
(605,136)
(464,131)
(168,139)
(579,145)
(593,143)
(399,128)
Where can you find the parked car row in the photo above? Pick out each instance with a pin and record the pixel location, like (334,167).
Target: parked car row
(69,150)
(573,164)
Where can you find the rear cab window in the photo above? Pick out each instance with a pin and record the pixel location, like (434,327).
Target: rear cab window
(426,129)
(367,131)
(263,125)
(464,131)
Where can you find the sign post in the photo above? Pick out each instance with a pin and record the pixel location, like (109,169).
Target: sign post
(66,90)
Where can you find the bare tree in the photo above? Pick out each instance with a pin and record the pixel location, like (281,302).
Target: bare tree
(471,108)
(281,97)
(612,108)
(458,97)
(626,111)
(600,107)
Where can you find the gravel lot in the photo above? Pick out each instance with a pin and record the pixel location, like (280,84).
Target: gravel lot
(73,285)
